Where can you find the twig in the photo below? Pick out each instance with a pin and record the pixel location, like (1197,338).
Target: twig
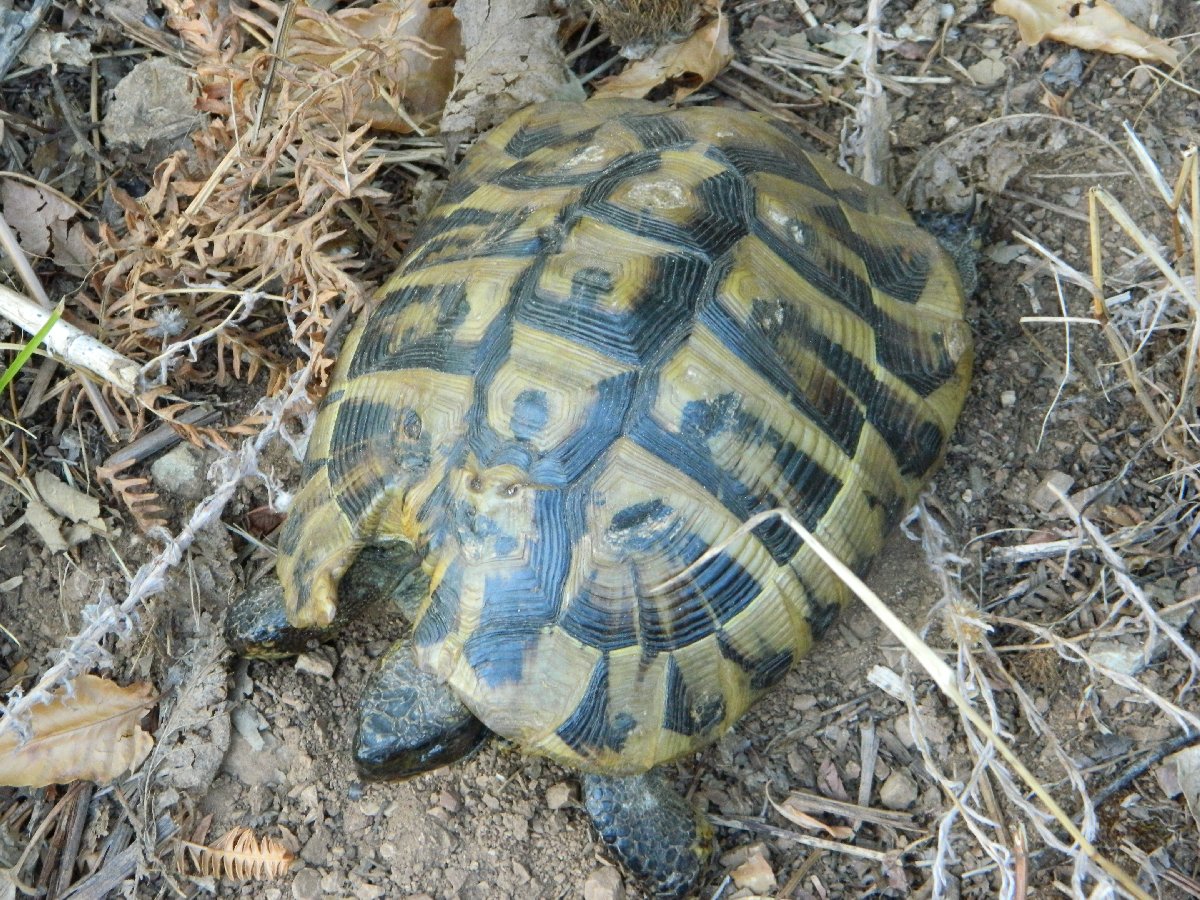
(868,140)
(784,834)
(16,28)
(1135,770)
(161,438)
(71,345)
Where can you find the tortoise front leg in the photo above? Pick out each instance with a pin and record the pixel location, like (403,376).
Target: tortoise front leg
(409,722)
(257,625)
(652,830)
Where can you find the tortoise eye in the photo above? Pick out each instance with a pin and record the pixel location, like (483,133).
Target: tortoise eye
(412,425)
(475,485)
(511,491)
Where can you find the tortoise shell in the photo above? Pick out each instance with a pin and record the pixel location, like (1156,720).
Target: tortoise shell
(623,332)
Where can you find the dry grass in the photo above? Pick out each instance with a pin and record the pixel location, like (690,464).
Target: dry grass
(1149,312)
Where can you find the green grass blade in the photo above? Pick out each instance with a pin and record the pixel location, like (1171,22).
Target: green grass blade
(30,348)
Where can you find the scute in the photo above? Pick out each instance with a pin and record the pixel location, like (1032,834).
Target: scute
(622,333)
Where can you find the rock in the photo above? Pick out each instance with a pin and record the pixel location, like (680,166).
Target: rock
(447,801)
(899,791)
(559,795)
(755,873)
(1044,500)
(181,472)
(319,662)
(604,884)
(306,884)
(1123,658)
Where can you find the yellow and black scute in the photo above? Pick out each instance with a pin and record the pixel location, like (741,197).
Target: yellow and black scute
(623,332)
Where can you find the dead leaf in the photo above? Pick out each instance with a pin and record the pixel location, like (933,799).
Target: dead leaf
(91,734)
(45,524)
(157,99)
(797,816)
(1186,764)
(409,46)
(688,65)
(1089,25)
(73,249)
(513,58)
(32,212)
(64,499)
(46,48)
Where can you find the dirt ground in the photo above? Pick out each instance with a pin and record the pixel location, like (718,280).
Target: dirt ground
(1053,645)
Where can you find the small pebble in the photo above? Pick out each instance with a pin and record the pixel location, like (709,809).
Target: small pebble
(448,802)
(899,791)
(604,884)
(755,873)
(559,795)
(1008,399)
(1044,499)
(319,662)
(306,884)
(181,472)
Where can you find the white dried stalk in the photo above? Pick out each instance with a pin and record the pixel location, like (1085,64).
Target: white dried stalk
(71,345)
(872,119)
(945,566)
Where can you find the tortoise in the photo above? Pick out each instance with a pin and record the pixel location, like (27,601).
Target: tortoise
(623,332)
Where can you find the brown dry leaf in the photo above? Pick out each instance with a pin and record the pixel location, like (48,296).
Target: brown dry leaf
(513,58)
(688,65)
(1089,25)
(241,856)
(90,735)
(794,814)
(33,212)
(410,47)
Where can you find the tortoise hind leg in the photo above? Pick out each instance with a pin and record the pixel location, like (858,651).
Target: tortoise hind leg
(409,722)
(652,830)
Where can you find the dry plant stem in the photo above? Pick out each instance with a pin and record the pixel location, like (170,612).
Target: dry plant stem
(817,804)
(1099,197)
(240,311)
(942,675)
(84,650)
(159,439)
(278,41)
(1172,198)
(806,13)
(871,119)
(878,856)
(71,345)
(12,249)
(1130,587)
